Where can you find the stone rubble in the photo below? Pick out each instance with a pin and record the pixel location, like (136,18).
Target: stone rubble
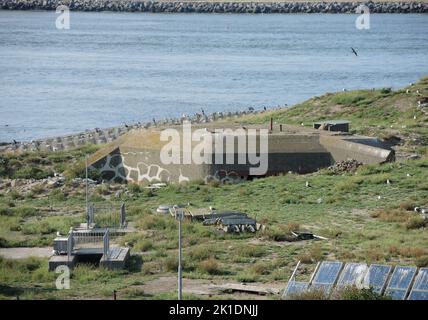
(349,165)
(216,7)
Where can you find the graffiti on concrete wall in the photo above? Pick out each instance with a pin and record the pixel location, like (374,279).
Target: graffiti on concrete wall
(118,168)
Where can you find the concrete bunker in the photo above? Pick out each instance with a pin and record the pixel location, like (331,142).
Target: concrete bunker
(135,156)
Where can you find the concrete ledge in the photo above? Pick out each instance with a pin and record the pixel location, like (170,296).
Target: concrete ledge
(116,259)
(62,260)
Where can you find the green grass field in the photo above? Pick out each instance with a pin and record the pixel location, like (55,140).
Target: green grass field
(364,218)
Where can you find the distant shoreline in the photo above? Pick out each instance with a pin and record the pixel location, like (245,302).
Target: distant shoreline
(220,6)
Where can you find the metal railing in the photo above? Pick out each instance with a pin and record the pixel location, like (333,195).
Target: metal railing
(106,244)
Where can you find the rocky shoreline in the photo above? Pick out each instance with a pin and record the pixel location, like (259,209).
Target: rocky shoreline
(102,136)
(215,7)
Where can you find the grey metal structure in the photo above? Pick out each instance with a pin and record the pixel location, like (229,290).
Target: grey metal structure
(420,287)
(294,288)
(400,282)
(326,276)
(70,244)
(405,282)
(353,274)
(179,215)
(88,244)
(106,244)
(106,216)
(377,277)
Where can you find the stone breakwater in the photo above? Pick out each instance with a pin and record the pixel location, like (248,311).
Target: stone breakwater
(215,7)
(101,136)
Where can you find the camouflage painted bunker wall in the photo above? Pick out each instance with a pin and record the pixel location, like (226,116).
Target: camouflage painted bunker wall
(135,156)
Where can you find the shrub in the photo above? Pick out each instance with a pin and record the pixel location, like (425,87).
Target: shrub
(412,252)
(252,251)
(156,222)
(5,169)
(15,195)
(422,262)
(143,245)
(38,189)
(247,277)
(135,188)
(37,228)
(171,264)
(385,90)
(31,172)
(5,211)
(416,223)
(406,205)
(209,266)
(353,293)
(58,195)
(103,190)
(393,215)
(261,268)
(282,232)
(309,295)
(78,170)
(26,211)
(201,253)
(3,243)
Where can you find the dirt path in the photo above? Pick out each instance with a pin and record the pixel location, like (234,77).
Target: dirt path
(224,288)
(21,253)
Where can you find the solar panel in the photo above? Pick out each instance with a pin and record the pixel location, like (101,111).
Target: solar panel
(352,274)
(420,287)
(295,287)
(418,295)
(376,277)
(400,282)
(326,275)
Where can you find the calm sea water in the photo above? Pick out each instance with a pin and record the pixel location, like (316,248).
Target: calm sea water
(115,68)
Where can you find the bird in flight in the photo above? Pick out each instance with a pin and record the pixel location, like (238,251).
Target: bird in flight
(355,52)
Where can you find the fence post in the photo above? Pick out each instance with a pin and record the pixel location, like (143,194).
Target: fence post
(122,215)
(69,246)
(106,244)
(91,214)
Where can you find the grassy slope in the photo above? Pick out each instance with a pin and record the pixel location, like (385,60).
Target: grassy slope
(380,113)
(364,218)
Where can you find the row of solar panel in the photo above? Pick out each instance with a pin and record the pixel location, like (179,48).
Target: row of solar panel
(329,274)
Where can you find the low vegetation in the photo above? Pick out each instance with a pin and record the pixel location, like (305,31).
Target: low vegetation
(364,218)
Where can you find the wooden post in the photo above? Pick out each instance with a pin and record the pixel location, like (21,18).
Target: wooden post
(114,295)
(271,124)
(280,127)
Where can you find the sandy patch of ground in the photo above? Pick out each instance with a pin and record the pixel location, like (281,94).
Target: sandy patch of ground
(21,253)
(208,288)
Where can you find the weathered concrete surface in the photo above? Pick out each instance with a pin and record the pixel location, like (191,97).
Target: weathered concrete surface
(56,261)
(218,6)
(365,150)
(117,258)
(135,157)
